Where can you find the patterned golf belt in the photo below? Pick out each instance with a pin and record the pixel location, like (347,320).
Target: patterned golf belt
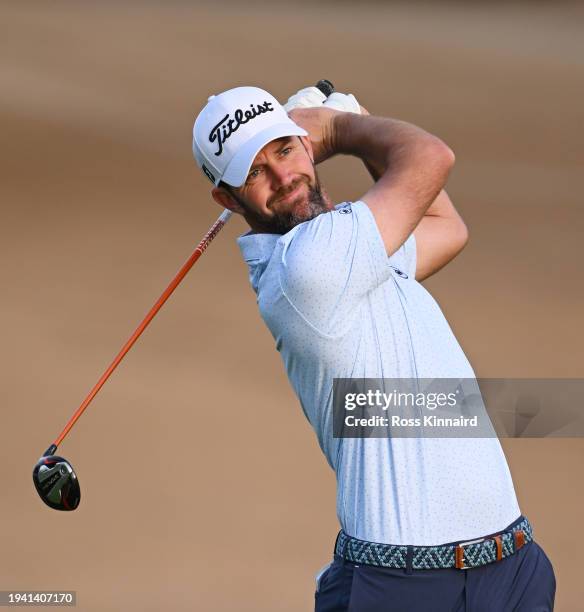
(463,555)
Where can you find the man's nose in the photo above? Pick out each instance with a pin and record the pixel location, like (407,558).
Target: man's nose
(282,176)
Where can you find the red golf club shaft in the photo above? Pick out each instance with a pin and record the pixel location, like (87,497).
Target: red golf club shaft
(213,231)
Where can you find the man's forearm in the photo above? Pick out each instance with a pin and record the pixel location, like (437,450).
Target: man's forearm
(380,142)
(440,236)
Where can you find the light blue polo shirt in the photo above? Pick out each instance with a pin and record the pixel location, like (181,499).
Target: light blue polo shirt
(339,307)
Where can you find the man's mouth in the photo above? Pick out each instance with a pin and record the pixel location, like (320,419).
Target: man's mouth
(290,196)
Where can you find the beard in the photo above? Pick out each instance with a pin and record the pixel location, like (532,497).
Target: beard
(303,209)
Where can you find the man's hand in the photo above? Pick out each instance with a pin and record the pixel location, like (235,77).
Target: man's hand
(319,122)
(307,97)
(321,126)
(311,97)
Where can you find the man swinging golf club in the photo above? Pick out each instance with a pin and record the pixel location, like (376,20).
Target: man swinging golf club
(426,523)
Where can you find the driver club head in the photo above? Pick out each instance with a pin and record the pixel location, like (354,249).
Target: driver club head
(56,482)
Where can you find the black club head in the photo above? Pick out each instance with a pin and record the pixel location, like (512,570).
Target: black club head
(56,482)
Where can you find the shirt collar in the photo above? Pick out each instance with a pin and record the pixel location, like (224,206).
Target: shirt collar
(257,248)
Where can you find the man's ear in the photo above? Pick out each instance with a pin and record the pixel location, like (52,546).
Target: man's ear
(225,198)
(308,146)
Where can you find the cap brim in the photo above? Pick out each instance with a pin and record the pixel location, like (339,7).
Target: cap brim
(238,168)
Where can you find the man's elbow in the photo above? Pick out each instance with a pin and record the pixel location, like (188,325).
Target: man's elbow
(440,158)
(447,157)
(446,153)
(461,237)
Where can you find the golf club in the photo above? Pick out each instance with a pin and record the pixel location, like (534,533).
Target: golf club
(53,476)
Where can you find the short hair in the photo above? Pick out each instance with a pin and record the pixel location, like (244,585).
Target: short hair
(225,186)
(231,190)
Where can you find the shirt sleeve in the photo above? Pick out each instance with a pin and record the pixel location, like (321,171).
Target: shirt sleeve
(328,265)
(405,257)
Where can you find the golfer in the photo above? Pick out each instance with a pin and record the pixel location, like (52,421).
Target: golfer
(426,523)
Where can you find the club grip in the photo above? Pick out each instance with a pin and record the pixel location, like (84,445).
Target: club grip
(326,87)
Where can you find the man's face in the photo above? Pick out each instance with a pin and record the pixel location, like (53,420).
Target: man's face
(281,190)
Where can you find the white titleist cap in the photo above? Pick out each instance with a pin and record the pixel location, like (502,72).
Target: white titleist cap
(233,127)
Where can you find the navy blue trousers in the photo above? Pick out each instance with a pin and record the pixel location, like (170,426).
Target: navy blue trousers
(523,582)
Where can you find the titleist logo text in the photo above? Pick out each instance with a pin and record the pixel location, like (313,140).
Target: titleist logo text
(226,127)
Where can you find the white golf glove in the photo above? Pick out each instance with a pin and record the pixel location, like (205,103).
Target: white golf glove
(343,102)
(312,96)
(305,98)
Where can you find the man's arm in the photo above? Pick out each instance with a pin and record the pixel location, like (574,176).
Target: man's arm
(409,167)
(412,166)
(440,236)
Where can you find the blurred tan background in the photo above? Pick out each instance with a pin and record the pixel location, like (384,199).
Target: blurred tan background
(203,487)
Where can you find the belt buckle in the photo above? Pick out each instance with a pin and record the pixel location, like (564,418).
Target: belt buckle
(459,553)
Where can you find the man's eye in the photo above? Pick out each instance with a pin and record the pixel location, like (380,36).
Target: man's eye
(286,151)
(253,174)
